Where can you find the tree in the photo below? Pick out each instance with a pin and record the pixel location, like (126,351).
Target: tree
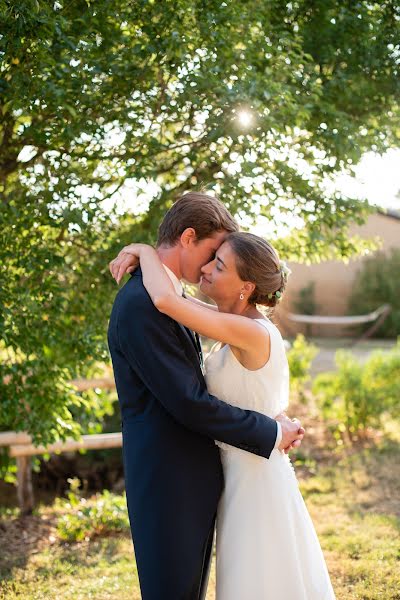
(260,101)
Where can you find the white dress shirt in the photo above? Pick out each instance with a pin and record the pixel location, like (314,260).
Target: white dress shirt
(179,290)
(177,284)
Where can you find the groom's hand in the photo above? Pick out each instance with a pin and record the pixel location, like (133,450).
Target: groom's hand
(292,433)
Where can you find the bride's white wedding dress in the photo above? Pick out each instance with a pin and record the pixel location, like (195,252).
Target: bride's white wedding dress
(267,547)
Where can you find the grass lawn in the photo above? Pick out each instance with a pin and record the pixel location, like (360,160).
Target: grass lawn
(353,496)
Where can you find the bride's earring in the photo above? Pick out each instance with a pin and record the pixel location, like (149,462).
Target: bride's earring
(241,296)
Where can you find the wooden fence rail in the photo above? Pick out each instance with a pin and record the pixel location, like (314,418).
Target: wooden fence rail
(86,442)
(21,447)
(8,438)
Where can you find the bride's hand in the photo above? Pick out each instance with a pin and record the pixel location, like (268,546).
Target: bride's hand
(127,261)
(292,433)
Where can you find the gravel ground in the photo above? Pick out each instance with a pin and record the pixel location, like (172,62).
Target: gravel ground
(325,359)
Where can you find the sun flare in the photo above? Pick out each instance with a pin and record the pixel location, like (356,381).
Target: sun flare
(245,117)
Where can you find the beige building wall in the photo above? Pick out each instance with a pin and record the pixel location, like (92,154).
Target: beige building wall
(334,279)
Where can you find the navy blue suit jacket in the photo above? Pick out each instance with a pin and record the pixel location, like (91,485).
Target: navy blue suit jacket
(173,473)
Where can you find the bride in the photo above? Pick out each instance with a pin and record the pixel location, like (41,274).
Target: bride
(267,547)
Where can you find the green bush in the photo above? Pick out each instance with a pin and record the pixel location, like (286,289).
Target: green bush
(305,303)
(85,519)
(378,283)
(300,357)
(358,395)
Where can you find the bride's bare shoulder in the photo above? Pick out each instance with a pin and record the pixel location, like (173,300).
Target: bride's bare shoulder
(257,356)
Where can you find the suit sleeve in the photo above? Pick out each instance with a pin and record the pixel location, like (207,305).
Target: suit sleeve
(151,345)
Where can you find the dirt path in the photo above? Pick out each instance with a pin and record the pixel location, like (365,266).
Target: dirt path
(325,359)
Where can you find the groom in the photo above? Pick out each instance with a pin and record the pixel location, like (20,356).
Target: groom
(173,472)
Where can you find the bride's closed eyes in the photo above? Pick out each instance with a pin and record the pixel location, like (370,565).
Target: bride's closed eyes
(219,263)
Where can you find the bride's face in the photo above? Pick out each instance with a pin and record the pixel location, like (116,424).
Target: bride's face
(220,280)
(194,254)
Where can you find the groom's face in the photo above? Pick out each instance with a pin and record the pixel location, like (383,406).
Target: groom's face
(198,253)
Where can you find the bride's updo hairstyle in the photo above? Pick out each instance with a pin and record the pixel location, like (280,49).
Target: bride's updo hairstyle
(258,262)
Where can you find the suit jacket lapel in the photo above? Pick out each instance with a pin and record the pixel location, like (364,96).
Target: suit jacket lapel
(196,342)
(194,336)
(189,334)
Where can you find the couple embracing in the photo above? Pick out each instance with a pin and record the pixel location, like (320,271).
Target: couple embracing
(207,442)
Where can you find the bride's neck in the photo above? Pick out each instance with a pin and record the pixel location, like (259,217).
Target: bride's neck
(238,308)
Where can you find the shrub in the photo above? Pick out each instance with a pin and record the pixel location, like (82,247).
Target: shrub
(300,357)
(85,519)
(378,283)
(358,395)
(306,304)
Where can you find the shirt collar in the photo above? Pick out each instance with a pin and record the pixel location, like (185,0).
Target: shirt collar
(177,284)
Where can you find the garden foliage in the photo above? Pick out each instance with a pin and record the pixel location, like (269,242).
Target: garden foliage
(82,519)
(358,395)
(300,357)
(110,100)
(378,283)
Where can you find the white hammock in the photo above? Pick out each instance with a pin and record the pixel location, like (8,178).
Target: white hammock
(347,320)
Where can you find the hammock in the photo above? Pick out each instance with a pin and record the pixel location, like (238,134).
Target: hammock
(347,320)
(377,317)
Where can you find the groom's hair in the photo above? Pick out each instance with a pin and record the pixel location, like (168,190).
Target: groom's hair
(205,213)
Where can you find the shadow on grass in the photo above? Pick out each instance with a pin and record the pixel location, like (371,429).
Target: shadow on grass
(374,475)
(362,479)
(20,537)
(88,554)
(64,557)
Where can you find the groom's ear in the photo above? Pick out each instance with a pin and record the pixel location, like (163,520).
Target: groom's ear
(188,237)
